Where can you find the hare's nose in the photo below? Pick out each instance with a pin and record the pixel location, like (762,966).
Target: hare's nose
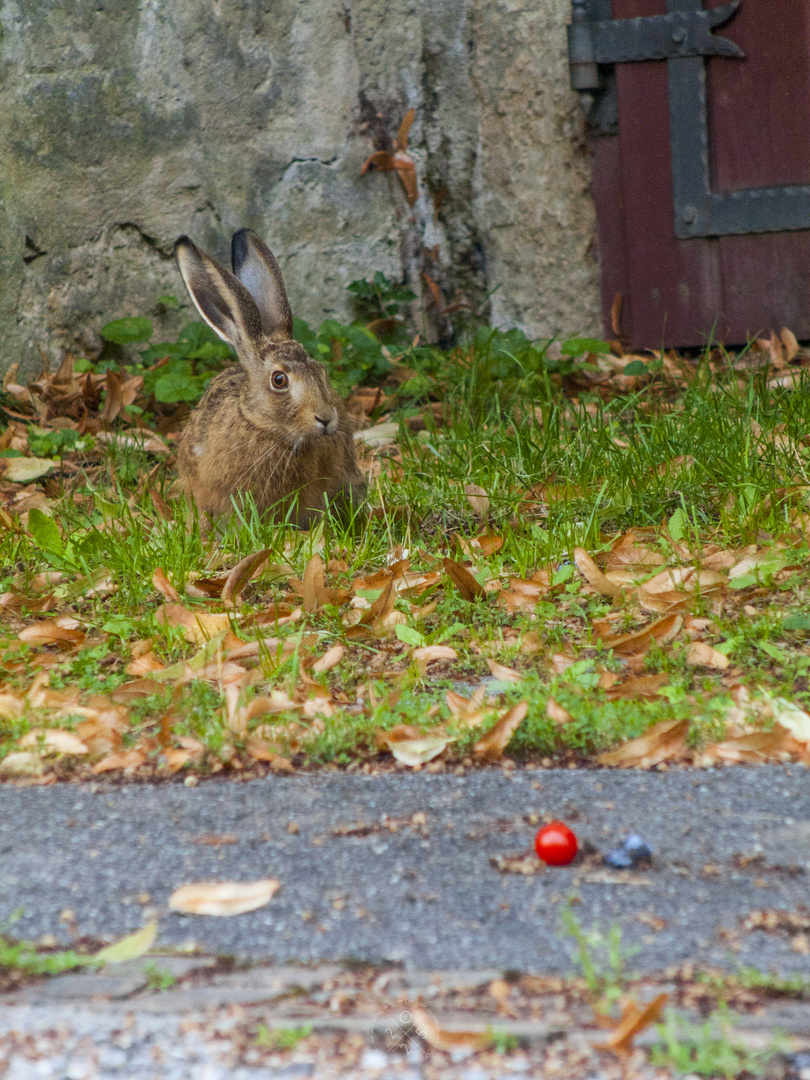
(325,424)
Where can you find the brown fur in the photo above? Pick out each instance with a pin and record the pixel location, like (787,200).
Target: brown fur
(244,436)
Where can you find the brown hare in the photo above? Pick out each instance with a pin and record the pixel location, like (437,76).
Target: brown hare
(271,426)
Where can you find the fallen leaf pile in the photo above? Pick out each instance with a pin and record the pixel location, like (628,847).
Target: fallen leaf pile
(291,653)
(236,651)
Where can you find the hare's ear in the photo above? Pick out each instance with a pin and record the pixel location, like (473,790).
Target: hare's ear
(221,299)
(255,265)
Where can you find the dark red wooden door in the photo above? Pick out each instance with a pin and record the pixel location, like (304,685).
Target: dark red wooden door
(730,283)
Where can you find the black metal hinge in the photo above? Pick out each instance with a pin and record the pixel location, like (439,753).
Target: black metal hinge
(653,37)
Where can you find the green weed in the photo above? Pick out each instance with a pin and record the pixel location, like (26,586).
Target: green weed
(286,1038)
(25,958)
(752,978)
(158,978)
(708,1049)
(503,1042)
(601,958)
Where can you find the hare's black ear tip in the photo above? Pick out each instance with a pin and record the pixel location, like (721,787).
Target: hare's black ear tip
(183,244)
(239,248)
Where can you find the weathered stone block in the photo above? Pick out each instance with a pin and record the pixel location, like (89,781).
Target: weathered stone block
(124,123)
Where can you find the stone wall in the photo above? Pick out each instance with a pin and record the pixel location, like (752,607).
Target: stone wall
(124,123)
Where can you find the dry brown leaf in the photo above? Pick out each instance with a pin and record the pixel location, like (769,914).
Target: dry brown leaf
(500,990)
(318,706)
(593,575)
(504,673)
(103,727)
(164,586)
(315,594)
(197,626)
(62,630)
(178,757)
(52,741)
(272,648)
(222,898)
(224,674)
(633,1021)
(410,747)
(664,603)
(13,601)
(382,607)
(639,641)
(23,470)
(161,508)
(275,702)
(556,713)
(680,463)
(11,707)
(415,584)
(643,686)
(459,705)
(623,577)
(789,343)
(699,654)
(144,665)
(685,577)
(331,658)
(404,129)
(138,688)
(260,750)
(23,762)
(470,711)
(720,560)
(463,580)
(626,552)
(525,863)
(383,626)
(661,742)
(440,1039)
(523,595)
(426,653)
(400,161)
(243,573)
(140,440)
(278,615)
(202,588)
(751,561)
(126,759)
(753,749)
(492,745)
(478,499)
(791,717)
(562,661)
(489,543)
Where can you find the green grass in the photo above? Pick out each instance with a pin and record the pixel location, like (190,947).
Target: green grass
(709,1049)
(282,1038)
(601,958)
(752,978)
(718,457)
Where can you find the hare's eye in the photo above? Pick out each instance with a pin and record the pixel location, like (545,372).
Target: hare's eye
(279,380)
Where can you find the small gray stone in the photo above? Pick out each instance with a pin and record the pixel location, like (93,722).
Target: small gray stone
(374,1059)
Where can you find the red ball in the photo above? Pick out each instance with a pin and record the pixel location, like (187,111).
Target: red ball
(556,844)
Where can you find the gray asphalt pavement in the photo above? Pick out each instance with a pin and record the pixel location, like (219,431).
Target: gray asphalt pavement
(422,892)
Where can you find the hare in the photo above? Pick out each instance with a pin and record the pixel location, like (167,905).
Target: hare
(271,426)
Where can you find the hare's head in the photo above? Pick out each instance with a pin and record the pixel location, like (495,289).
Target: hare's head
(286,392)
